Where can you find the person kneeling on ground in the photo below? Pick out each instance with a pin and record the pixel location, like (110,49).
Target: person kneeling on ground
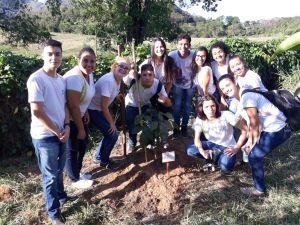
(217,127)
(141,94)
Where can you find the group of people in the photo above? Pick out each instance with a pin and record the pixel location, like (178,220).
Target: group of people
(226,120)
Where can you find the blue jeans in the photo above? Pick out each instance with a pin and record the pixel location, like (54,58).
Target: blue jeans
(267,142)
(109,139)
(225,162)
(51,157)
(130,114)
(182,101)
(75,150)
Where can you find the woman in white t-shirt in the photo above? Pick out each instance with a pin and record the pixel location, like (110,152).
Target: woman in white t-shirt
(267,130)
(161,62)
(202,73)
(80,91)
(107,89)
(245,78)
(219,52)
(217,127)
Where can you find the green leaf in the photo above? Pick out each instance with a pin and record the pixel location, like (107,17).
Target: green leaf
(153,125)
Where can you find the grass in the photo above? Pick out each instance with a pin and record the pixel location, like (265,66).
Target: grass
(210,206)
(72,43)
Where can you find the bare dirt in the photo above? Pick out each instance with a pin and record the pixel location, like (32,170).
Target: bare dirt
(143,189)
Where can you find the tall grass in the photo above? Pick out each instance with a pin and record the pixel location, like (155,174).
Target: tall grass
(289,81)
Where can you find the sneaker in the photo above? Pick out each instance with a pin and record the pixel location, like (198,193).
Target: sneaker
(176,133)
(56,221)
(82,184)
(67,199)
(184,132)
(251,191)
(110,165)
(85,176)
(96,161)
(129,149)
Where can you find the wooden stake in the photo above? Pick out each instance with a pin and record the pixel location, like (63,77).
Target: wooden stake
(168,168)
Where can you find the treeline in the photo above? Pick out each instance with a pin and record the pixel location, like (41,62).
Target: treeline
(74,20)
(232,26)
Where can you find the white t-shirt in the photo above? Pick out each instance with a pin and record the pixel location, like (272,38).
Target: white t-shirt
(251,80)
(219,71)
(198,80)
(146,94)
(105,86)
(270,118)
(75,81)
(236,107)
(184,77)
(220,130)
(51,91)
(159,70)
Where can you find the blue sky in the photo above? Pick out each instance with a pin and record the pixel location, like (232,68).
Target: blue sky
(252,9)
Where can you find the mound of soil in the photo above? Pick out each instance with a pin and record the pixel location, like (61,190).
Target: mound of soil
(143,189)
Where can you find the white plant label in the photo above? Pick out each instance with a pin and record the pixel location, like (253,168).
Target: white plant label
(168,156)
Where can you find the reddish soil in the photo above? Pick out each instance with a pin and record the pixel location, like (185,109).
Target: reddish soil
(144,189)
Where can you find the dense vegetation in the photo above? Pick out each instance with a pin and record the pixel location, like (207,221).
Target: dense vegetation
(15,69)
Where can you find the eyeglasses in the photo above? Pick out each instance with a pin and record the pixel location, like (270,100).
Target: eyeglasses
(123,67)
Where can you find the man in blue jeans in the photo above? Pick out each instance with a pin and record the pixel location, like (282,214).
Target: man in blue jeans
(183,88)
(50,126)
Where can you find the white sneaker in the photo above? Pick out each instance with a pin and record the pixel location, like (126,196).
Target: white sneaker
(85,176)
(56,222)
(129,149)
(81,184)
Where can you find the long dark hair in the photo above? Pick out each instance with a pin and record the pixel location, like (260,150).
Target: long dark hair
(194,64)
(205,98)
(165,58)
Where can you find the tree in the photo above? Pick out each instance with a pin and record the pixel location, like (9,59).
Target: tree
(123,20)
(18,26)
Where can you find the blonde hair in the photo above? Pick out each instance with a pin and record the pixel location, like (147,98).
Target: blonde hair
(119,59)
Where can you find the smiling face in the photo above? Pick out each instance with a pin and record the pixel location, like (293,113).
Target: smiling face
(218,55)
(122,68)
(228,87)
(200,58)
(52,57)
(183,46)
(87,63)
(159,49)
(210,109)
(237,67)
(147,78)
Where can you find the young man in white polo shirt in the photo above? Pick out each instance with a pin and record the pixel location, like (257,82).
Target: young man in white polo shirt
(50,126)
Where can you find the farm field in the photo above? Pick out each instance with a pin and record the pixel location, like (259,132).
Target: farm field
(72,43)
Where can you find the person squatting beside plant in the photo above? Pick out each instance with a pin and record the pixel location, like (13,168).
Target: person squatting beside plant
(140,94)
(268,130)
(107,89)
(217,127)
(50,126)
(183,88)
(80,91)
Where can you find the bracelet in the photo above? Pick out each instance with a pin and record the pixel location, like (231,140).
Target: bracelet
(66,124)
